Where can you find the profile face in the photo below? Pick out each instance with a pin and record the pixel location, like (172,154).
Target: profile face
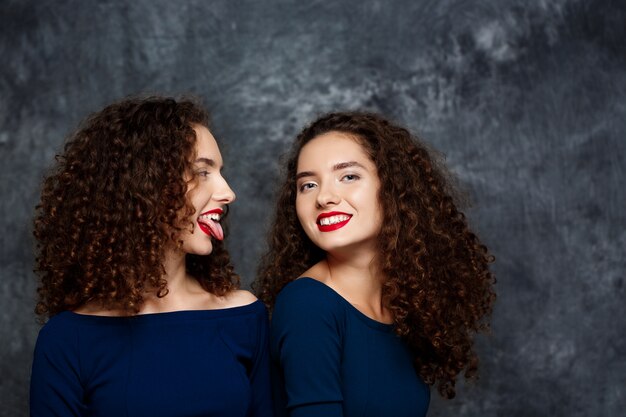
(337,194)
(208,195)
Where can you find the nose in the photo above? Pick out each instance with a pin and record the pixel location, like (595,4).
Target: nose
(327,196)
(223,193)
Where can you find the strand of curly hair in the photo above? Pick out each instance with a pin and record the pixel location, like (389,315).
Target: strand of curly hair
(113,203)
(437,281)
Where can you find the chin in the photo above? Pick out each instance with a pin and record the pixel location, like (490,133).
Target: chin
(341,245)
(201,251)
(332,246)
(205,252)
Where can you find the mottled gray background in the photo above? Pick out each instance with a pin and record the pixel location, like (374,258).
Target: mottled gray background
(526,99)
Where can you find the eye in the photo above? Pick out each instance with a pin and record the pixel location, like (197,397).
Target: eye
(306,186)
(350,178)
(202,173)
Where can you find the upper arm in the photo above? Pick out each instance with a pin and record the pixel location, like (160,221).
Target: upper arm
(260,373)
(307,340)
(55,386)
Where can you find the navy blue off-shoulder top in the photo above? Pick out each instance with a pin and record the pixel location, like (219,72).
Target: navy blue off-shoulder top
(331,360)
(183,363)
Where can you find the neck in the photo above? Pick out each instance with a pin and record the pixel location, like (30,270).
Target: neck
(175,270)
(180,286)
(357,276)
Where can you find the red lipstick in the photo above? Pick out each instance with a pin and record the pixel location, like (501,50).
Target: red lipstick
(212,211)
(334,226)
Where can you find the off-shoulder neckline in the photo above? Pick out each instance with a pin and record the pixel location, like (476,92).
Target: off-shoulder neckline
(358,313)
(170,315)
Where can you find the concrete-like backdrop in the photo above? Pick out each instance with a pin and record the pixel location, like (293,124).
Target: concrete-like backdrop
(526,99)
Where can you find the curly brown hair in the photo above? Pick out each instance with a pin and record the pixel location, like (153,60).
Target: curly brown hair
(114,202)
(438,285)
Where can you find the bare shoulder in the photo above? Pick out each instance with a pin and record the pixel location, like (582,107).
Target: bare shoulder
(238,298)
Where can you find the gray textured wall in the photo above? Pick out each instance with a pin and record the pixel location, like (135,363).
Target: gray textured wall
(527,99)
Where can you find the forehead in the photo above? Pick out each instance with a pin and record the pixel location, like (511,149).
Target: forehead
(206,146)
(332,148)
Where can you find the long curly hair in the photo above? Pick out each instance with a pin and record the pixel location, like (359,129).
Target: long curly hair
(437,282)
(114,202)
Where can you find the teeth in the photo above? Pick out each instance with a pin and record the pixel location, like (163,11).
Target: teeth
(211,216)
(327,221)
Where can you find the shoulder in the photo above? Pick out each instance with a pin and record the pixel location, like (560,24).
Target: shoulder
(307,290)
(59,325)
(237,303)
(68,326)
(59,335)
(232,299)
(308,317)
(306,299)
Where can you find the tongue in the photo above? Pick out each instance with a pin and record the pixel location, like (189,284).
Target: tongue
(216,229)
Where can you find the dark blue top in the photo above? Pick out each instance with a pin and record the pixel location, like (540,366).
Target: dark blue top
(332,360)
(183,363)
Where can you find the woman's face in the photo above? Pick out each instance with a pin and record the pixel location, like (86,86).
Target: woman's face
(337,194)
(208,195)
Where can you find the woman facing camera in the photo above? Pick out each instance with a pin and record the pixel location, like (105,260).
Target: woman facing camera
(145,314)
(377,284)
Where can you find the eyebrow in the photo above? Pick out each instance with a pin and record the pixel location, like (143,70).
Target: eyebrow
(207,161)
(336,167)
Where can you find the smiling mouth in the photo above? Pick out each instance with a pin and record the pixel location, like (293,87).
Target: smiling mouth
(327,222)
(209,223)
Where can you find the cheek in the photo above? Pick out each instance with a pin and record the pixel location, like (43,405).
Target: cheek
(300,212)
(379,211)
(369,204)
(191,199)
(199,196)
